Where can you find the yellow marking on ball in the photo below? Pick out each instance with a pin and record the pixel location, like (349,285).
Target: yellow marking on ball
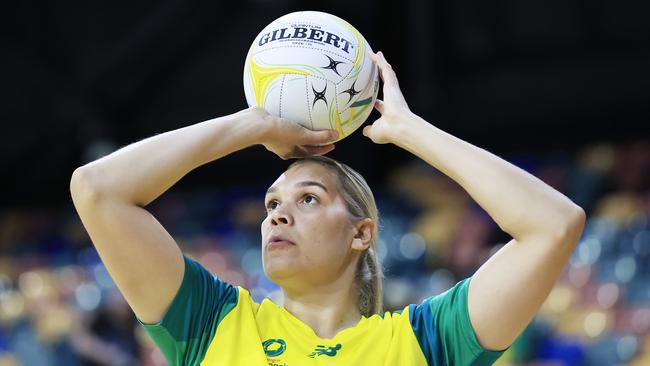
(262,77)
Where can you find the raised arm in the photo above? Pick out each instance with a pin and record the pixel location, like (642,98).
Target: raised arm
(507,291)
(110,194)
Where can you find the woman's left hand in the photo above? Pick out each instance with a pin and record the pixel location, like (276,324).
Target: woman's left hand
(394,110)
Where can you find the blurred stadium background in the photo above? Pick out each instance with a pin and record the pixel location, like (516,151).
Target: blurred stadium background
(560,88)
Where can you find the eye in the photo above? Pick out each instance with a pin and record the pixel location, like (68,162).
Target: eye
(271,205)
(310,199)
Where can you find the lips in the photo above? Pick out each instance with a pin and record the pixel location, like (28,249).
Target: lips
(277,240)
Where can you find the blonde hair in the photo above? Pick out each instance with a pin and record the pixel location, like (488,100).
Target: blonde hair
(361,204)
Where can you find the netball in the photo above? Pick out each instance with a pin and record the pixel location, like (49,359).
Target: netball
(312,68)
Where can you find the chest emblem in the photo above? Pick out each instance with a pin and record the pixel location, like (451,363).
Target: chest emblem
(274,347)
(323,351)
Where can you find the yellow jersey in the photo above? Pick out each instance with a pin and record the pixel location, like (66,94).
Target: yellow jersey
(211,322)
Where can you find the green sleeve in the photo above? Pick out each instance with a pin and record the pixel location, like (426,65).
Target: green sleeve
(186,330)
(442,327)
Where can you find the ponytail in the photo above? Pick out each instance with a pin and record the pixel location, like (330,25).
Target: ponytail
(368,279)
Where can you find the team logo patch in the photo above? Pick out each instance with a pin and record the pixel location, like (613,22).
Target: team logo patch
(329,351)
(274,347)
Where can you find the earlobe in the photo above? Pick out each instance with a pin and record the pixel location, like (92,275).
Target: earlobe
(364,235)
(359,244)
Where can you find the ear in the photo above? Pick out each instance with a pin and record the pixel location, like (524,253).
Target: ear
(364,234)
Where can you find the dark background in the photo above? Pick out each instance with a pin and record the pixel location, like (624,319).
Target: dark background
(79,78)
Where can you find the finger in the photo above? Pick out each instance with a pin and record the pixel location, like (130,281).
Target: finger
(321,137)
(370,132)
(380,60)
(376,59)
(317,150)
(297,152)
(387,73)
(379,106)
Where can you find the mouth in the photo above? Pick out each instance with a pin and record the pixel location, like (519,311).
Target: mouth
(277,241)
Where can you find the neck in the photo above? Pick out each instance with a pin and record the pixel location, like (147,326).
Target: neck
(326,311)
(326,306)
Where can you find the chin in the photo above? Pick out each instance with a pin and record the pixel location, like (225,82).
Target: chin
(277,269)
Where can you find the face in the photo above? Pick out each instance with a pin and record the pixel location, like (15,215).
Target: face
(308,237)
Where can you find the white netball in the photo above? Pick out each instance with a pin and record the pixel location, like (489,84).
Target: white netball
(312,68)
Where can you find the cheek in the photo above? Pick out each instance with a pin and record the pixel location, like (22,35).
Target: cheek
(329,242)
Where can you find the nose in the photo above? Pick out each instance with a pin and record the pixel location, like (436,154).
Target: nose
(280,217)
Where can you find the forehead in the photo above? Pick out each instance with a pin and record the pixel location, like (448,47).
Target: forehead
(307,172)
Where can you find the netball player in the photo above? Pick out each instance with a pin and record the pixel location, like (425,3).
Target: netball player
(318,243)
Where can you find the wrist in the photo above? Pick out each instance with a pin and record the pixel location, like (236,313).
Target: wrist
(253,124)
(258,122)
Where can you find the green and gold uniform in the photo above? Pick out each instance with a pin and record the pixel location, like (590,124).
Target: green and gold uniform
(211,322)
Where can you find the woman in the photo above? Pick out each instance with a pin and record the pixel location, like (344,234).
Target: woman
(317,242)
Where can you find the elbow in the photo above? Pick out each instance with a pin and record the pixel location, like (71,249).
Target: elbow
(573,225)
(82,187)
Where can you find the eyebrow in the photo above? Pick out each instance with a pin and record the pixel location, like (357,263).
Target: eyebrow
(305,183)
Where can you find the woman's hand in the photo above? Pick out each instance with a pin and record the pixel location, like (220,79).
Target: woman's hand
(394,110)
(289,139)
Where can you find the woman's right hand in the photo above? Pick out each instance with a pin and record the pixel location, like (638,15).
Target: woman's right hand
(289,139)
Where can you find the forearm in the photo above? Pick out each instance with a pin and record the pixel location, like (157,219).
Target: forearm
(142,171)
(508,289)
(521,204)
